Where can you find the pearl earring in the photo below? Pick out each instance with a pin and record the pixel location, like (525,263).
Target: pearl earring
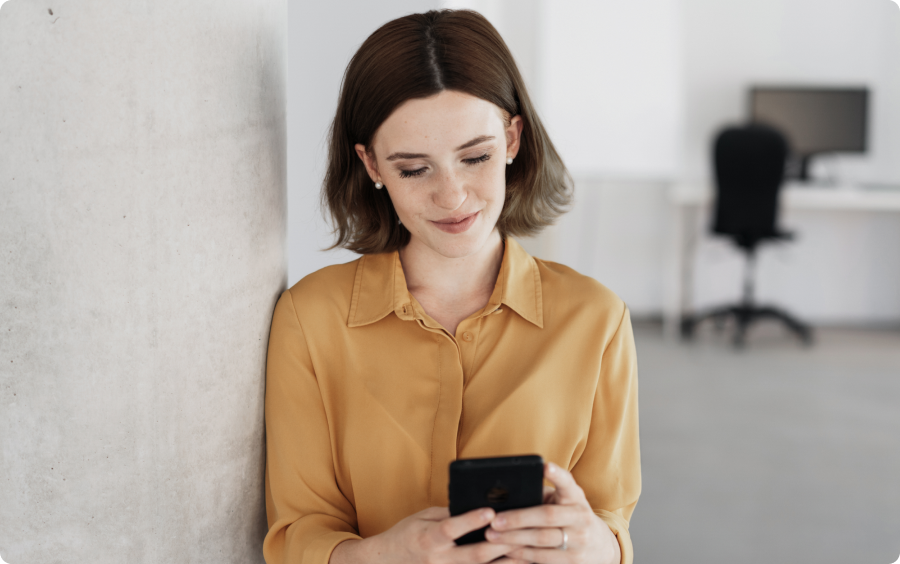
(509,160)
(378,185)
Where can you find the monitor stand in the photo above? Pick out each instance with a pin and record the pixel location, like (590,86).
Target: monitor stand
(803,175)
(797,169)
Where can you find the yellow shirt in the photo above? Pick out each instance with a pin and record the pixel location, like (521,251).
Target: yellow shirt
(368,399)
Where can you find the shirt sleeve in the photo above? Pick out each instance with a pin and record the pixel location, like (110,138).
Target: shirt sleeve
(609,470)
(307,513)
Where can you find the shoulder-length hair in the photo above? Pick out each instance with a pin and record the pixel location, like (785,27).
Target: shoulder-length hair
(417,56)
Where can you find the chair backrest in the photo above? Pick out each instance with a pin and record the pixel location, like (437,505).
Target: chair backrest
(749,163)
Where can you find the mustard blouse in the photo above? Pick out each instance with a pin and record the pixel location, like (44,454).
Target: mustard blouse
(368,399)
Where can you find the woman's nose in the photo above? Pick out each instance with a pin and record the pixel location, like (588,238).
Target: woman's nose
(450,193)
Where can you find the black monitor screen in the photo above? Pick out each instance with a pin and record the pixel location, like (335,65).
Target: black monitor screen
(815,120)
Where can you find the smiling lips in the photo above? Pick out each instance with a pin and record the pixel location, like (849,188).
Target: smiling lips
(456,225)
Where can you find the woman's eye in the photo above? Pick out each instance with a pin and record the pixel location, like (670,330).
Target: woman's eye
(477,160)
(411,173)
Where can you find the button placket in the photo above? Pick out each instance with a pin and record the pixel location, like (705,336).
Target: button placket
(445,433)
(468,343)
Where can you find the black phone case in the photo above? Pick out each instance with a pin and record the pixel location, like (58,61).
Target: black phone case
(502,483)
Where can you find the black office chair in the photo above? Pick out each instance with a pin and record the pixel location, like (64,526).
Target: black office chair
(749,164)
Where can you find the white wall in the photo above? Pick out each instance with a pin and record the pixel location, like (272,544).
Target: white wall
(611,86)
(614,234)
(322,36)
(611,95)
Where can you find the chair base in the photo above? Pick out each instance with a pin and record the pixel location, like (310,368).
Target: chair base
(745,315)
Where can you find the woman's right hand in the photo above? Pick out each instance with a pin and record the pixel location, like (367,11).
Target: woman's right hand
(425,537)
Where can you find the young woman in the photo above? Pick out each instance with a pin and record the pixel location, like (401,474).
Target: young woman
(445,340)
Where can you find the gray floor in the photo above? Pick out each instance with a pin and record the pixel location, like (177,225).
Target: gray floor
(775,454)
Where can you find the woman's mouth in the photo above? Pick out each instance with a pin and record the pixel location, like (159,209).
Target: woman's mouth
(457,224)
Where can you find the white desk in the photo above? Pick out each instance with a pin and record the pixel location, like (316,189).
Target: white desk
(688,199)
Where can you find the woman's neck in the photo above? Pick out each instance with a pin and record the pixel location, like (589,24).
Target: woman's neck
(451,289)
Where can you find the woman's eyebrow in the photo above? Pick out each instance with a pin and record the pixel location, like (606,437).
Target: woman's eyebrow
(476,141)
(398,156)
(466,145)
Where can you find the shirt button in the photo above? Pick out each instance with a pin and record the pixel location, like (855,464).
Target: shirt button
(467,336)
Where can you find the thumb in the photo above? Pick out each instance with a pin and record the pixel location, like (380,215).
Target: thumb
(568,492)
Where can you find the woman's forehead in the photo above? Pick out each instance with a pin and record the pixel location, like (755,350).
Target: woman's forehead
(441,122)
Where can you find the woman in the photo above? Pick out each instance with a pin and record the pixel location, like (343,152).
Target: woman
(445,339)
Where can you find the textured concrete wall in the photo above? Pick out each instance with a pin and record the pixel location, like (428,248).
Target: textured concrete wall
(142,229)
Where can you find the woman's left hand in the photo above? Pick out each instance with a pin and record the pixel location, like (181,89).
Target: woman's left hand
(565,530)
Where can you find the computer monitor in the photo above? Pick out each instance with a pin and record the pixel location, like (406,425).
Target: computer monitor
(814,120)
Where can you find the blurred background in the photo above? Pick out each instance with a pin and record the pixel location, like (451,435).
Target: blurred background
(783,446)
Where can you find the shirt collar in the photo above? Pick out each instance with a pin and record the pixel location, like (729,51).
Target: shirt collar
(380,288)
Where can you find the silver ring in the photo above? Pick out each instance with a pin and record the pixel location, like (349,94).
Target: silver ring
(565,542)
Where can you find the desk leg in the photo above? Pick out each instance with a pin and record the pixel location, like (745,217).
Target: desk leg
(678,284)
(673,275)
(691,235)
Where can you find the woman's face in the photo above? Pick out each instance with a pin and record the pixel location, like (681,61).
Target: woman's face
(442,159)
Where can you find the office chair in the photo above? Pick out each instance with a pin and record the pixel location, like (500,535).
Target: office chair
(749,166)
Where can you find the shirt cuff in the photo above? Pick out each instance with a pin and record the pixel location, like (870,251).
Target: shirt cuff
(619,527)
(319,551)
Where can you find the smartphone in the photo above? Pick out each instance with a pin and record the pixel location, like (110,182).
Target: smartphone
(501,483)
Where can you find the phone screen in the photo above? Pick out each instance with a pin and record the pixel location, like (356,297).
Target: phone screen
(501,483)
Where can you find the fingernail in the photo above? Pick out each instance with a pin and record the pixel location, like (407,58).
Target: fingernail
(551,467)
(488,514)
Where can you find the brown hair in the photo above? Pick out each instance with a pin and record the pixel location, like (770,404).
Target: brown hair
(417,56)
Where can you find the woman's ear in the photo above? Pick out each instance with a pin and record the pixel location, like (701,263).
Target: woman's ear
(368,159)
(513,136)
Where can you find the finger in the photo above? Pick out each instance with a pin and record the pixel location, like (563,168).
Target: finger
(508,560)
(548,493)
(480,552)
(549,537)
(454,527)
(540,555)
(567,490)
(538,516)
(434,514)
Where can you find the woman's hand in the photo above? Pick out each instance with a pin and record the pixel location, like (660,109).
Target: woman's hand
(424,538)
(537,532)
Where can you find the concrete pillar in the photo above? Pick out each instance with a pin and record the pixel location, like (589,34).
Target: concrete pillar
(142,229)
